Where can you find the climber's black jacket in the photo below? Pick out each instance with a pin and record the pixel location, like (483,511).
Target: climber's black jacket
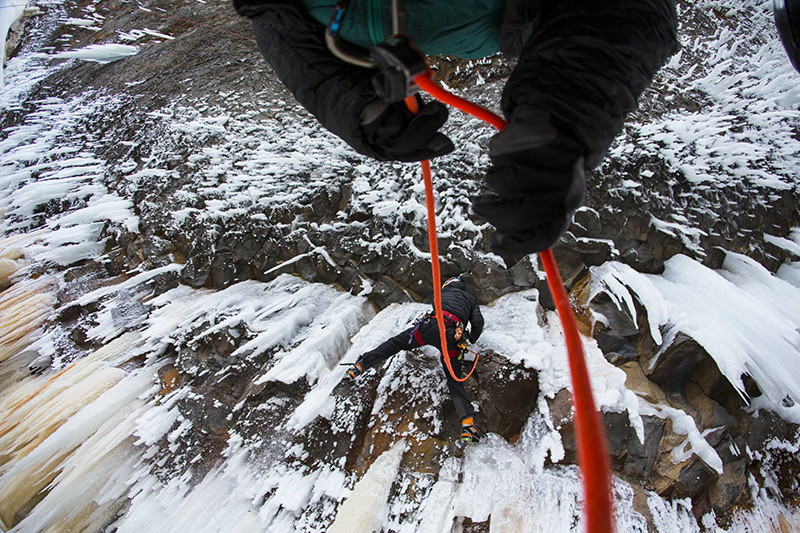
(458,301)
(582,66)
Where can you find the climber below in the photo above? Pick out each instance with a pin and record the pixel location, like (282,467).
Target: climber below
(459,307)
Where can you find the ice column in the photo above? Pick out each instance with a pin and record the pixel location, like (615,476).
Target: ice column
(365,509)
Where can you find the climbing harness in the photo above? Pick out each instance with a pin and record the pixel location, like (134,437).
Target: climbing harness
(592,448)
(454,320)
(418,324)
(450,318)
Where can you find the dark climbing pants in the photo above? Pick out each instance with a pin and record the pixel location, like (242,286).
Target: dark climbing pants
(428,333)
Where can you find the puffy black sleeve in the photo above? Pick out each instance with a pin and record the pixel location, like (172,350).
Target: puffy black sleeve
(293,43)
(581,69)
(587,62)
(337,93)
(475,323)
(253,8)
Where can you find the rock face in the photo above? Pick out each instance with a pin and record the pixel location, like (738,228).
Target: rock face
(617,223)
(360,231)
(682,375)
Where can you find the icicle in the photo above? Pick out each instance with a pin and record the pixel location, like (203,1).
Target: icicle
(365,509)
(9,14)
(436,511)
(23,307)
(12,257)
(249,521)
(88,465)
(7,269)
(37,410)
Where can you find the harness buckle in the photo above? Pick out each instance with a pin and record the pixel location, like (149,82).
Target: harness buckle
(398,62)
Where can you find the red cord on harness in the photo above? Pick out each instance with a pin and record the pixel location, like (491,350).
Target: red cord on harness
(590,437)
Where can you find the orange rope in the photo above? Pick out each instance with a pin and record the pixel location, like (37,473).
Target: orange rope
(589,434)
(433,242)
(592,448)
(437,285)
(426,84)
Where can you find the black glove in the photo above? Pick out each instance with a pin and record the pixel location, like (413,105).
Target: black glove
(579,73)
(392,133)
(538,178)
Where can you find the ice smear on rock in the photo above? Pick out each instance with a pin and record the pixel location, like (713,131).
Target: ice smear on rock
(366,506)
(742,315)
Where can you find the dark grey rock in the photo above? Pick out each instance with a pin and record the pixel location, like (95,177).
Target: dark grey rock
(677,363)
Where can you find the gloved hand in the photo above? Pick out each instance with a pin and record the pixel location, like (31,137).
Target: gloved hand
(339,94)
(390,132)
(538,178)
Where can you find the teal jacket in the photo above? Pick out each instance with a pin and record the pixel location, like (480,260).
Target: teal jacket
(471,31)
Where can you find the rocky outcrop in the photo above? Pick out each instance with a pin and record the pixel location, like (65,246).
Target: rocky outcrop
(680,375)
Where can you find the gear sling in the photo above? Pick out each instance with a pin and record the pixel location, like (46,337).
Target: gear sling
(450,318)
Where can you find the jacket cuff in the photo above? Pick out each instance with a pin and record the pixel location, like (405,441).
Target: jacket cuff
(254,8)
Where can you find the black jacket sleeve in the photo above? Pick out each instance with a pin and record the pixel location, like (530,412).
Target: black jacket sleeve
(580,72)
(336,92)
(587,62)
(253,8)
(475,323)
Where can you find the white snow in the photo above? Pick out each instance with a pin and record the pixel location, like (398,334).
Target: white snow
(525,495)
(368,503)
(745,317)
(100,53)
(613,278)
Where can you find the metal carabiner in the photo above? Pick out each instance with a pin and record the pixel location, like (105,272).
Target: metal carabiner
(396,59)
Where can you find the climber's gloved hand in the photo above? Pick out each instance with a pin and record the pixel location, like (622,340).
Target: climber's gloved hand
(340,95)
(390,132)
(538,180)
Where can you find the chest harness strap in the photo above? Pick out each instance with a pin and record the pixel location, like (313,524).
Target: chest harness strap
(449,317)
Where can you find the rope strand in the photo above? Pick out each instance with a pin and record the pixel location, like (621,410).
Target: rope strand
(590,437)
(433,243)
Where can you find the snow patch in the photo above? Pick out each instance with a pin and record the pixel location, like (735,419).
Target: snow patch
(100,53)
